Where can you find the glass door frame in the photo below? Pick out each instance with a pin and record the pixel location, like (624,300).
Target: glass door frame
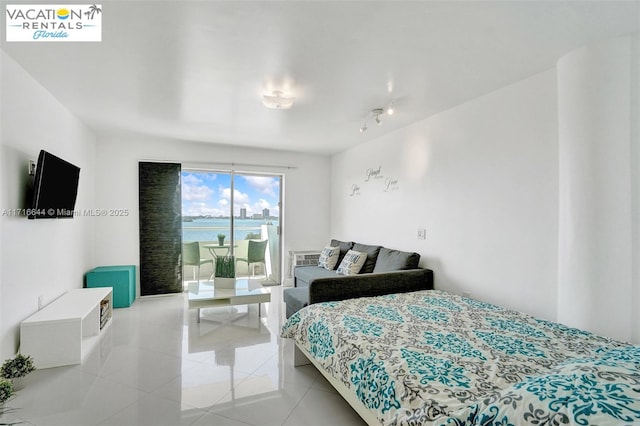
(280,177)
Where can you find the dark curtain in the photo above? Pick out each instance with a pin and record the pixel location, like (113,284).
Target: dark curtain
(160,225)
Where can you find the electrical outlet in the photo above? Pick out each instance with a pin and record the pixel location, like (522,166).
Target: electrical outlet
(422,233)
(32,167)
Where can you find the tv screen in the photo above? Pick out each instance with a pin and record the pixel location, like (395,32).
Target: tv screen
(55,188)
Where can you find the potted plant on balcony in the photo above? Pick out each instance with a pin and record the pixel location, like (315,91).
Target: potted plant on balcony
(225,276)
(16,368)
(221,238)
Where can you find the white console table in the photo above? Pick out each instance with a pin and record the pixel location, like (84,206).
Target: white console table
(63,332)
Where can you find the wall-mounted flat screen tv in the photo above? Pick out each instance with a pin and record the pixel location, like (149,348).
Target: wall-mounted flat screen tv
(55,188)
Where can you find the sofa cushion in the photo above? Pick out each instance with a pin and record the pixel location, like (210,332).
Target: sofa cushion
(305,274)
(395,260)
(352,263)
(329,257)
(372,255)
(295,299)
(345,246)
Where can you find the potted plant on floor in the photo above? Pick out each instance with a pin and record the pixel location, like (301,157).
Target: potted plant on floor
(221,238)
(225,276)
(15,369)
(6,390)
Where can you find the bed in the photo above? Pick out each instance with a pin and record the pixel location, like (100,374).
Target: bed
(435,358)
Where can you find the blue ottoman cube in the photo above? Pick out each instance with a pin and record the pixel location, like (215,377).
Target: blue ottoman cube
(121,278)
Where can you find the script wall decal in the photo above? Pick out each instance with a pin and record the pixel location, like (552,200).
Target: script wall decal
(391,184)
(373,174)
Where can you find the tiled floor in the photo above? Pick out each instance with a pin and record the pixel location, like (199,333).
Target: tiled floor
(157,366)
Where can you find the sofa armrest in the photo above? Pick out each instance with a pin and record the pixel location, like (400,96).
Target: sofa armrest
(374,284)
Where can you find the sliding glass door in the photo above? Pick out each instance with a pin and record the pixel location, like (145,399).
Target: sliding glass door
(225,210)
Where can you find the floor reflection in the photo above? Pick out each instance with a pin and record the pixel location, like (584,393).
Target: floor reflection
(157,366)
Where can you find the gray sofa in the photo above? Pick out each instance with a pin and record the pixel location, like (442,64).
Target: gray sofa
(385,271)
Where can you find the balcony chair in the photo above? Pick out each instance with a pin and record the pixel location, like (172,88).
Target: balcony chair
(191,257)
(255,254)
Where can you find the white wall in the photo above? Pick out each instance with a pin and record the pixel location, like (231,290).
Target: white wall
(517,185)
(598,182)
(3,107)
(635,180)
(482,179)
(39,257)
(47,257)
(306,190)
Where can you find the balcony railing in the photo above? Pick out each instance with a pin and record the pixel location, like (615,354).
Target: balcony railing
(209,235)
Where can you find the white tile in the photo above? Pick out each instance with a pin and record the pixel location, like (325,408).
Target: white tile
(154,411)
(250,358)
(201,386)
(209,419)
(279,369)
(113,360)
(73,398)
(256,402)
(320,408)
(321,383)
(147,371)
(10,416)
(156,365)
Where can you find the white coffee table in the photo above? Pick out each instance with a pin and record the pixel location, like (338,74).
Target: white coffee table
(247,291)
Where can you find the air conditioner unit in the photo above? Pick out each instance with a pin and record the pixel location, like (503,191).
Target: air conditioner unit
(302,258)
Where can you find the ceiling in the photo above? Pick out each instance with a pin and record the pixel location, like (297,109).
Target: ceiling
(196,70)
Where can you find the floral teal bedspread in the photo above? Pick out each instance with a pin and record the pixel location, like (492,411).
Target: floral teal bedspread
(430,357)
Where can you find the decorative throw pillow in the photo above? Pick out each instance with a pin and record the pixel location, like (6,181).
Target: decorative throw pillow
(329,257)
(345,246)
(352,263)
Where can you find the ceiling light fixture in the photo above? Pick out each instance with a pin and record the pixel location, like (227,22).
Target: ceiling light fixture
(278,100)
(390,109)
(376,114)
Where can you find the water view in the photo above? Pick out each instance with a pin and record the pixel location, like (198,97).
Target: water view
(207,229)
(207,200)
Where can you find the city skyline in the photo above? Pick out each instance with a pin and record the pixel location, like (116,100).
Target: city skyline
(209,194)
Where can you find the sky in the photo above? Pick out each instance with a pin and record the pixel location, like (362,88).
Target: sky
(208,193)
